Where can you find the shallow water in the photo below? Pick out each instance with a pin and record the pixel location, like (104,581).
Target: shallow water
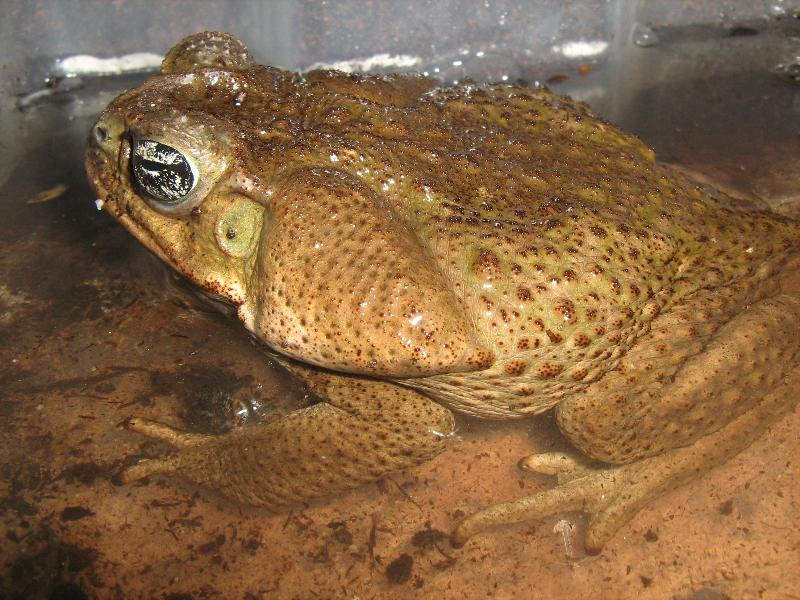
(93,330)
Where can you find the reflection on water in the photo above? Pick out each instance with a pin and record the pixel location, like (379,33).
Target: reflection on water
(94,330)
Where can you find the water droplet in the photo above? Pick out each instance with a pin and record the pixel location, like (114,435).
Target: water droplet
(644,37)
(777,10)
(790,71)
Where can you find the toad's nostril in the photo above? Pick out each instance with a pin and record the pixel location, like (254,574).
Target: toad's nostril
(100,133)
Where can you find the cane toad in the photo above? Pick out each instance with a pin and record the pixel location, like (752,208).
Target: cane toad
(410,249)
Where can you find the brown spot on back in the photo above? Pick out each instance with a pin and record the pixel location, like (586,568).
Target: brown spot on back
(548,370)
(516,367)
(554,337)
(598,231)
(566,308)
(486,264)
(579,373)
(582,340)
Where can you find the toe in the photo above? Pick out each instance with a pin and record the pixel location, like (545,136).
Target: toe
(146,468)
(159,431)
(550,463)
(549,502)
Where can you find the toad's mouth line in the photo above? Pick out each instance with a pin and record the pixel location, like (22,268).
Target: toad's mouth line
(130,210)
(97,165)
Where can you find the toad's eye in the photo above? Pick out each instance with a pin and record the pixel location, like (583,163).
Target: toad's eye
(162,172)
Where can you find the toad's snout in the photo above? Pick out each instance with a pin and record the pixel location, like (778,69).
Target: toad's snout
(104,149)
(107,134)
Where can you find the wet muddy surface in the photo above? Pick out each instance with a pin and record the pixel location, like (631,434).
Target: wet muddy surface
(93,330)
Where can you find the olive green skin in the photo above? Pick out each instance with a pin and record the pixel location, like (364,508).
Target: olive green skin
(492,249)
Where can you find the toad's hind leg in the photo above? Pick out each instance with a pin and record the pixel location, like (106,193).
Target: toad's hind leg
(363,430)
(721,393)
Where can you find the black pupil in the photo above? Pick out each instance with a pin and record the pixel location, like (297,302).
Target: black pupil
(162,171)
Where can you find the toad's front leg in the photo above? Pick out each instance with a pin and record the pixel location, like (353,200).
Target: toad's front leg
(364,430)
(665,427)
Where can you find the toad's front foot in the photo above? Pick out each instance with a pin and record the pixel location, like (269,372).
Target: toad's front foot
(159,431)
(311,452)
